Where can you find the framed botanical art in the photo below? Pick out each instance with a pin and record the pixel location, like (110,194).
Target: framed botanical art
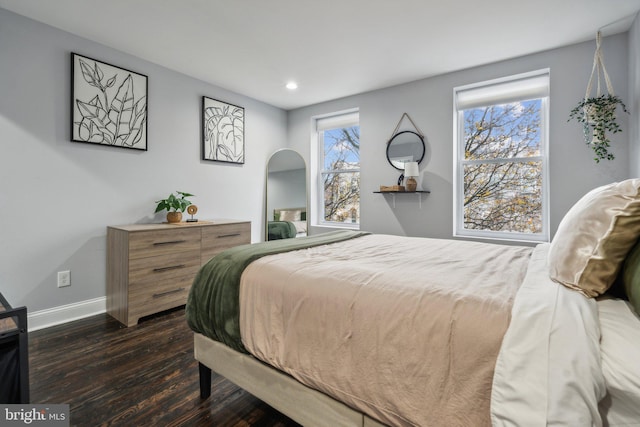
(222,131)
(109,104)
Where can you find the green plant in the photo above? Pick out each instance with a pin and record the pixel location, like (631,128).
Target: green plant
(177,202)
(598,116)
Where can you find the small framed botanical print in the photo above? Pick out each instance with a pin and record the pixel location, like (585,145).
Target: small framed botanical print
(222,131)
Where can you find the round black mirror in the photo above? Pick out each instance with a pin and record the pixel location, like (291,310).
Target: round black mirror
(405,146)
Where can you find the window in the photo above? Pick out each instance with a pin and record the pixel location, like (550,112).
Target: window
(338,166)
(500,133)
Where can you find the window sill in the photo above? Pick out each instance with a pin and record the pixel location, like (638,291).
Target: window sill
(339,226)
(502,240)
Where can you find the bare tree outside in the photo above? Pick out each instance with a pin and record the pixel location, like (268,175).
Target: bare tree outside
(503,167)
(341,175)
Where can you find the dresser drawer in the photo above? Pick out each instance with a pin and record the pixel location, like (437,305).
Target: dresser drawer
(217,239)
(147,299)
(162,242)
(163,268)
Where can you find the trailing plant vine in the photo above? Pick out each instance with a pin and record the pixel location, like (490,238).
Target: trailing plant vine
(598,116)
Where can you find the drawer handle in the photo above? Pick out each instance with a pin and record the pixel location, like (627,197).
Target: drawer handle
(171,267)
(228,235)
(172,242)
(161,294)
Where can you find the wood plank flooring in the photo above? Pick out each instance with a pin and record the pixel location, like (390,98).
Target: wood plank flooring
(144,375)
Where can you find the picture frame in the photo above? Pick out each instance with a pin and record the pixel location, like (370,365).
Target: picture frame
(222,131)
(108,104)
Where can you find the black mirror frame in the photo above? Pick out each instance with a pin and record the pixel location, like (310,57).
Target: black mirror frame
(400,133)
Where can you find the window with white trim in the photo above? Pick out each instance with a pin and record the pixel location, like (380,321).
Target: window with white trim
(501,158)
(338,166)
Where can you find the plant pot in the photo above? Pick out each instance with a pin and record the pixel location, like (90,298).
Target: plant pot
(173,217)
(594,113)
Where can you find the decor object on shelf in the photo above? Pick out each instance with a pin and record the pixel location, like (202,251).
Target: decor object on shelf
(410,172)
(390,188)
(191,210)
(109,104)
(222,131)
(598,114)
(175,204)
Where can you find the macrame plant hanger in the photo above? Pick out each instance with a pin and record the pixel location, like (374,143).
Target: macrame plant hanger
(597,113)
(597,69)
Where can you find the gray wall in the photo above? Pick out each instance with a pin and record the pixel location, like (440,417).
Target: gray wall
(430,103)
(57,197)
(633,102)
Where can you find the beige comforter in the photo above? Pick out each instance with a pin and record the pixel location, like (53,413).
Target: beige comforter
(406,330)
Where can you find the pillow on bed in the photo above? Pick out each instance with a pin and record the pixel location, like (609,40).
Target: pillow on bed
(631,277)
(289,215)
(595,236)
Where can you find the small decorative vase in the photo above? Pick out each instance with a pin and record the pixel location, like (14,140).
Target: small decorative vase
(411,184)
(173,217)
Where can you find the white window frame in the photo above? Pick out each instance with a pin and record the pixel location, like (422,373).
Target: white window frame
(520,87)
(345,118)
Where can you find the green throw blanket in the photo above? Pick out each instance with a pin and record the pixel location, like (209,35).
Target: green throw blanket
(281,230)
(213,306)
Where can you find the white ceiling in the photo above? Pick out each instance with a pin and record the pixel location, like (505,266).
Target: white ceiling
(332,48)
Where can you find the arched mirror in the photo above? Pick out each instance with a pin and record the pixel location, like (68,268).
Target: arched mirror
(286,196)
(403,147)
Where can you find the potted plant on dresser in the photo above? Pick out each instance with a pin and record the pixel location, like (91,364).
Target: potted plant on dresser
(175,204)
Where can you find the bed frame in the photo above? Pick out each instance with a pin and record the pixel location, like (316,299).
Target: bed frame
(300,403)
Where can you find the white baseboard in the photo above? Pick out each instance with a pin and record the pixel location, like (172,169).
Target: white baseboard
(66,313)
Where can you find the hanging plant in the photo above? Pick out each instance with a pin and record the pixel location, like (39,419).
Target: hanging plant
(598,114)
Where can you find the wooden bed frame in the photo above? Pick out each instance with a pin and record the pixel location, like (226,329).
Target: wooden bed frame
(300,403)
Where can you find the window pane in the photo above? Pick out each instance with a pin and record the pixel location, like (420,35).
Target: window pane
(503,197)
(342,197)
(503,131)
(342,148)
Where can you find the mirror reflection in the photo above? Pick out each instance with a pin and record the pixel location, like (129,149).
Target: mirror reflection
(405,146)
(286,192)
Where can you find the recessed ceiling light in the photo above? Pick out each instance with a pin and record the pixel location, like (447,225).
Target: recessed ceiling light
(292,85)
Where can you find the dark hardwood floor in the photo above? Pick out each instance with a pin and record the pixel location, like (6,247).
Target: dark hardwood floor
(137,376)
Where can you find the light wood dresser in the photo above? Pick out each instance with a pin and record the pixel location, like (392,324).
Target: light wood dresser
(150,267)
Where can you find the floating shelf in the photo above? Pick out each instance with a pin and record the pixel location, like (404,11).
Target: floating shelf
(393,194)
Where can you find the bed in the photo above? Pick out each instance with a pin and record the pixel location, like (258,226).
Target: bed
(287,223)
(352,328)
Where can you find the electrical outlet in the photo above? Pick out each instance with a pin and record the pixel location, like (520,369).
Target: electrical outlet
(64,278)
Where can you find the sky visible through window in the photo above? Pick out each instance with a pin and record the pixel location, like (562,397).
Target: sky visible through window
(338,149)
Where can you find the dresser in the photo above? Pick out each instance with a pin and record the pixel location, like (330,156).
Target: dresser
(150,267)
